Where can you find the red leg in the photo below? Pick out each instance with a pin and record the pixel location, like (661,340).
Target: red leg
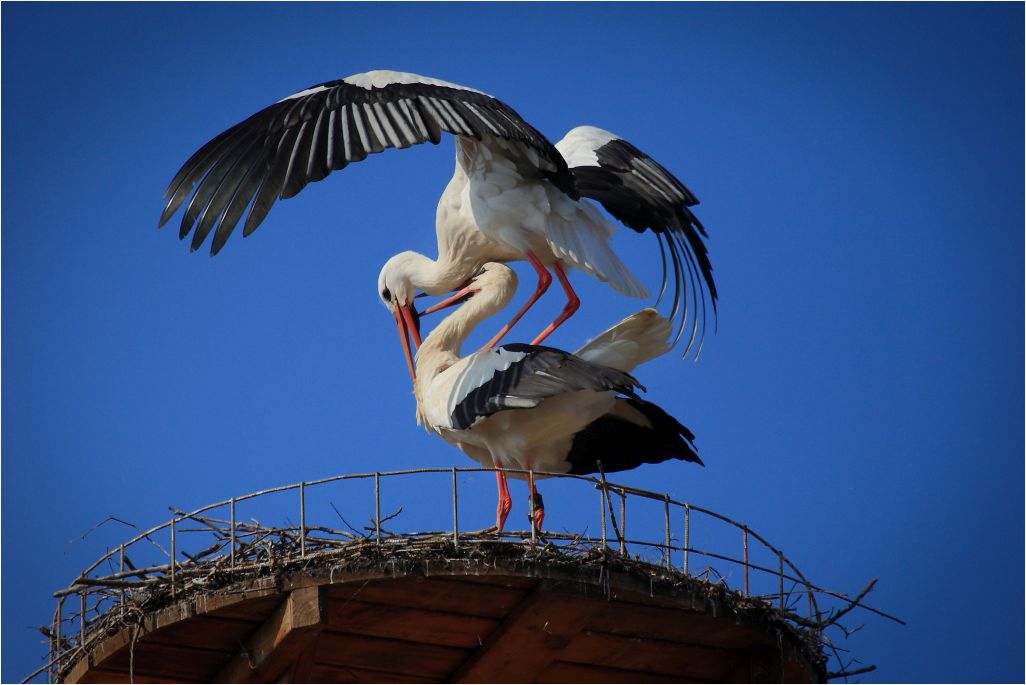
(544,281)
(505,503)
(536,503)
(573,303)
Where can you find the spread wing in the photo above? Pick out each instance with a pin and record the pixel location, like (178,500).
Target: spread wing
(643,195)
(276,152)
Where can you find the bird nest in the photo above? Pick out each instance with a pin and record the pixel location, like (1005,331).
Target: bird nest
(277,558)
(229,557)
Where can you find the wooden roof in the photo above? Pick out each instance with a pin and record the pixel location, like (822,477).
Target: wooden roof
(468,621)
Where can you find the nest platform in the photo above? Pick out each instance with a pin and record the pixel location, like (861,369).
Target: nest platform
(213,595)
(424,610)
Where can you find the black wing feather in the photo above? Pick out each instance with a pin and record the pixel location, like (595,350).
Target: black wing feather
(303,138)
(621,445)
(295,174)
(542,372)
(208,186)
(643,195)
(271,186)
(222,197)
(247,190)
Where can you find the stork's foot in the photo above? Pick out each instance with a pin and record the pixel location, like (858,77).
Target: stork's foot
(537,515)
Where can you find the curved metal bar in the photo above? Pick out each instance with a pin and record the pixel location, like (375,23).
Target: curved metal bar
(234,533)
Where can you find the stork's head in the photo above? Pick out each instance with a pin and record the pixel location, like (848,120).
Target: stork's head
(395,286)
(396,290)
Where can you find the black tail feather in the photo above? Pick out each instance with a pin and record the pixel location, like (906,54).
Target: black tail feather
(621,444)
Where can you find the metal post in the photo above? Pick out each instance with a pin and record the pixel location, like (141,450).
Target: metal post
(121,569)
(455,513)
(623,522)
(233,533)
(57,630)
(173,555)
(377,507)
(668,563)
(603,495)
(780,575)
(745,542)
(81,617)
(302,520)
(52,655)
(534,524)
(687,536)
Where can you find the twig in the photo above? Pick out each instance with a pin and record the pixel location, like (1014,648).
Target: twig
(851,605)
(343,518)
(110,517)
(195,558)
(198,519)
(847,674)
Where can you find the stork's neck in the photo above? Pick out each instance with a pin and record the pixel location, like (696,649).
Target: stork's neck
(462,247)
(434,277)
(441,348)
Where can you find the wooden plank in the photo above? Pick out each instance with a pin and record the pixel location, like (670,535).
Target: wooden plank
(479,571)
(279,663)
(254,607)
(521,582)
(530,639)
(388,655)
(797,669)
(566,672)
(663,623)
(204,632)
(759,665)
(167,661)
(340,674)
(301,668)
(434,594)
(98,656)
(654,656)
(727,626)
(414,625)
(102,675)
(696,619)
(254,603)
(279,640)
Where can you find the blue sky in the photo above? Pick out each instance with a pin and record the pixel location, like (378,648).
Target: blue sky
(861,176)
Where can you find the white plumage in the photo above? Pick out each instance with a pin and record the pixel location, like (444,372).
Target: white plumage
(531,407)
(512,196)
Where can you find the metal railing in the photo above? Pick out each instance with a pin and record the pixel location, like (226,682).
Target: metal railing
(779,584)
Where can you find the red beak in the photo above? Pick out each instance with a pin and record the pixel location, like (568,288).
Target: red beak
(407,328)
(401,326)
(411,327)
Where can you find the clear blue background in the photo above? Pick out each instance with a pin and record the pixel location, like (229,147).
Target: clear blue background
(861,175)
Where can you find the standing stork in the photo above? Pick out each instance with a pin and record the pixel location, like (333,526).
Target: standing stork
(538,408)
(513,195)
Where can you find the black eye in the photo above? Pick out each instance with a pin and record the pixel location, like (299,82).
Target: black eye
(386,295)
